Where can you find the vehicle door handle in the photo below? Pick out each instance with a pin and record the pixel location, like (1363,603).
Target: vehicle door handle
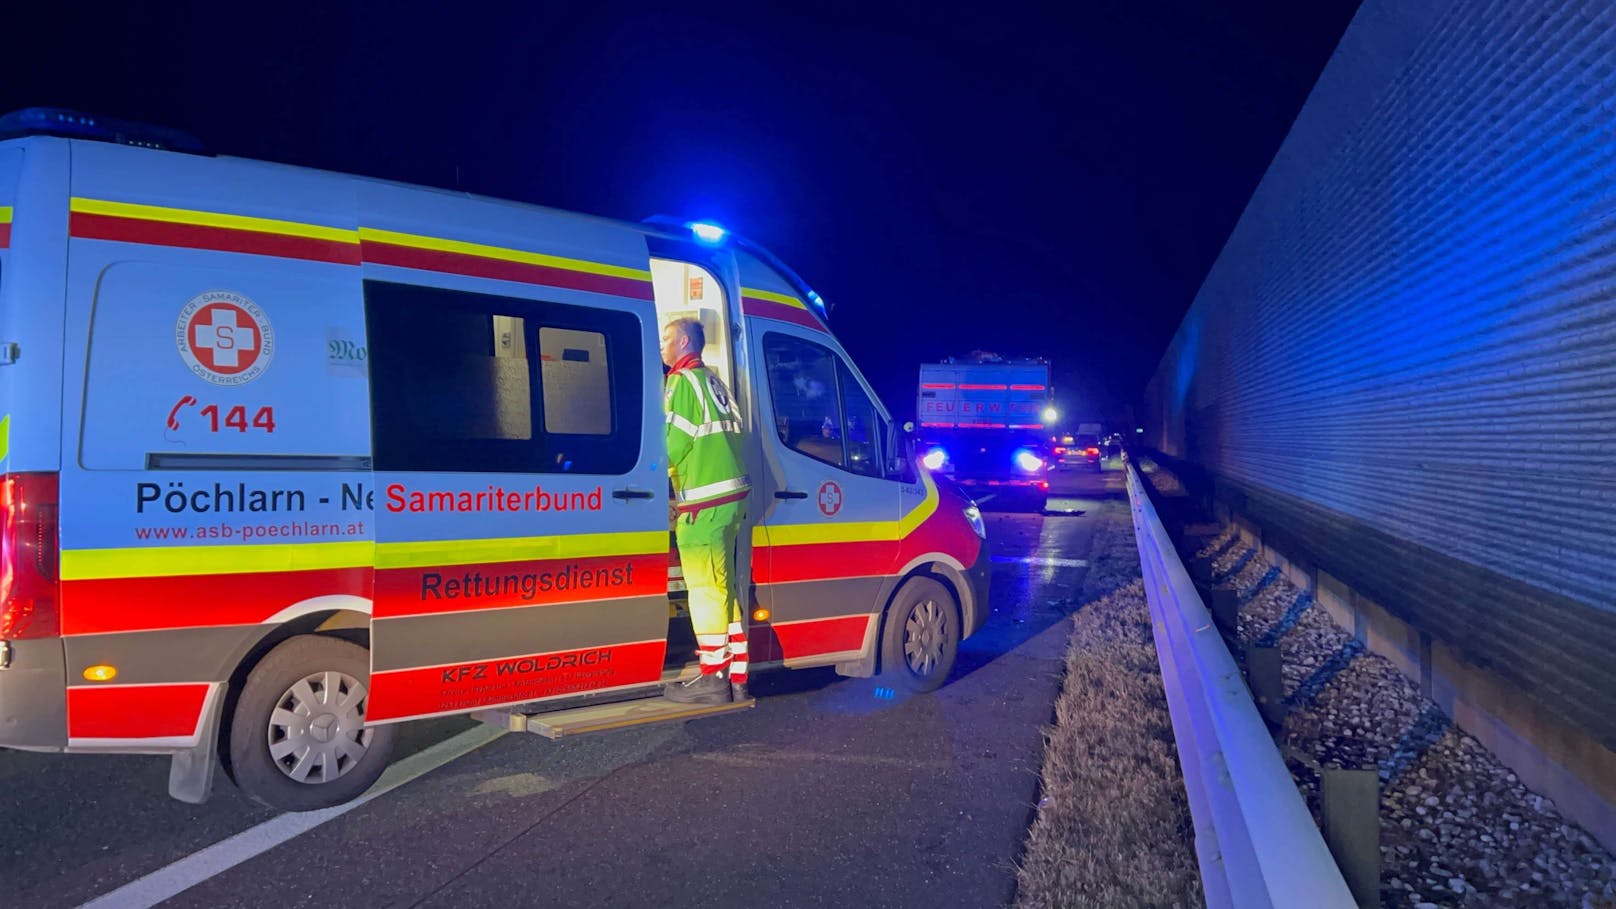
(632,493)
(789,494)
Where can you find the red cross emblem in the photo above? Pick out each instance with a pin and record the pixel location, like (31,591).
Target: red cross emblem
(224,338)
(830,498)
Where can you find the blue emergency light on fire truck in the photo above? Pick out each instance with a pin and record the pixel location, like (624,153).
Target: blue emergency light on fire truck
(288,457)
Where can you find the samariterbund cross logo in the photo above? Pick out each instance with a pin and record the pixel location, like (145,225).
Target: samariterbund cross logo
(224,338)
(830,498)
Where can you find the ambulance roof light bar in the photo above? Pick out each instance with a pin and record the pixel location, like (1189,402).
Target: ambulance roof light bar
(708,233)
(69,124)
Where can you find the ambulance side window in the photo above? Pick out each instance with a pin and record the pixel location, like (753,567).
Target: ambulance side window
(477,382)
(820,409)
(863,428)
(802,385)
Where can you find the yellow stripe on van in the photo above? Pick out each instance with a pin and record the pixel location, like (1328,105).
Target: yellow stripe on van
(850,532)
(520,549)
(213,219)
(773,297)
(5,436)
(438,244)
(5,214)
(172,561)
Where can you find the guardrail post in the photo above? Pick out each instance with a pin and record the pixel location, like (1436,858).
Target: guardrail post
(1226,609)
(1267,682)
(1351,802)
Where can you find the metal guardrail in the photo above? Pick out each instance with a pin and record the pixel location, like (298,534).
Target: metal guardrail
(1255,841)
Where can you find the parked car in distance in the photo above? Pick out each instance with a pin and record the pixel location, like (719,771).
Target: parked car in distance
(1077,450)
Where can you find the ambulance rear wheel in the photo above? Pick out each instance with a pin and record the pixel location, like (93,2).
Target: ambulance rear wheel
(921,637)
(298,739)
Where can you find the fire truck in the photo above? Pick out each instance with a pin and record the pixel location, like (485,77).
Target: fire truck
(290,457)
(983,421)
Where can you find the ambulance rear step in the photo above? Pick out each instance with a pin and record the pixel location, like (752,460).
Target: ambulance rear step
(601,717)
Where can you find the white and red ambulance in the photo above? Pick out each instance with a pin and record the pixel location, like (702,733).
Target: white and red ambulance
(292,456)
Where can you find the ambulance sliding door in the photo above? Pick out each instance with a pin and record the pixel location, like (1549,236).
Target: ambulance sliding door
(520,502)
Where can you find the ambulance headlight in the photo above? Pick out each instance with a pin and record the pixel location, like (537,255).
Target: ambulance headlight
(1051,415)
(1028,461)
(934,459)
(973,516)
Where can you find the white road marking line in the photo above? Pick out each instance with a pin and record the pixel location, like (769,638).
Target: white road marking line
(199,866)
(773,758)
(1044,561)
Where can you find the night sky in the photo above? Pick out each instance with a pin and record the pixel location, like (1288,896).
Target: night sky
(1035,179)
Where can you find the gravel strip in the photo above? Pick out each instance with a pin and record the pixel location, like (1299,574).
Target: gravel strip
(1457,827)
(1113,825)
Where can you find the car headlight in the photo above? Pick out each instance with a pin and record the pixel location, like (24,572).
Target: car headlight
(973,516)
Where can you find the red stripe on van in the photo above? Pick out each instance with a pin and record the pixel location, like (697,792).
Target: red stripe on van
(457,588)
(107,605)
(826,561)
(134,711)
(397,694)
(197,236)
(946,531)
(819,636)
(768,309)
(5,234)
(379,253)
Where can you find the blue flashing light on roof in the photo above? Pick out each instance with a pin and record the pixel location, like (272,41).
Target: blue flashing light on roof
(68,124)
(708,232)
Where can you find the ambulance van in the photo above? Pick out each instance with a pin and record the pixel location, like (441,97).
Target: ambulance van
(290,457)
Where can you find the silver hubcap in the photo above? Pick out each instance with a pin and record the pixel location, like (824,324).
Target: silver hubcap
(317,731)
(923,637)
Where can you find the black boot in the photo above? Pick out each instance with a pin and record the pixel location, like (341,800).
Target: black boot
(708,688)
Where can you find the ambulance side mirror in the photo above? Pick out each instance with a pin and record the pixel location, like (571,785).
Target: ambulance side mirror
(901,463)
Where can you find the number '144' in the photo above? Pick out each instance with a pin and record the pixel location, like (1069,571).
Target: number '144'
(236,418)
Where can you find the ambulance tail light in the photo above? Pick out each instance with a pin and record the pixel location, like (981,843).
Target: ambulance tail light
(30,556)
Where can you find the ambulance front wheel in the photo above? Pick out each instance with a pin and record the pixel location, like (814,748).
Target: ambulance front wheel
(921,637)
(298,739)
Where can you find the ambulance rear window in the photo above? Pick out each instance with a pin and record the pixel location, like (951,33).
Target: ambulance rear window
(476,382)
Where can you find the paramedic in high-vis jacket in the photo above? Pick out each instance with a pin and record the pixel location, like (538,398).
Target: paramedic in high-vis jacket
(710,488)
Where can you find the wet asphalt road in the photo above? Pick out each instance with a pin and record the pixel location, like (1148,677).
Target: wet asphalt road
(830,792)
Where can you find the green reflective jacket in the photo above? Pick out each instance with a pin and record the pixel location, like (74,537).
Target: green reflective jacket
(704,438)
